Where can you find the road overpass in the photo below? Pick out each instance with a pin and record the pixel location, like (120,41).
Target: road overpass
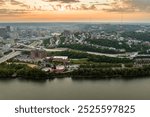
(22,49)
(9,56)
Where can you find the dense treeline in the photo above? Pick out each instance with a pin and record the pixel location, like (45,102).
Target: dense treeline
(46,42)
(101,65)
(96,58)
(108,43)
(84,47)
(21,71)
(108,73)
(115,44)
(137,35)
(90,57)
(92,71)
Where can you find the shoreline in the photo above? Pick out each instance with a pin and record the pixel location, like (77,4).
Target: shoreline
(76,77)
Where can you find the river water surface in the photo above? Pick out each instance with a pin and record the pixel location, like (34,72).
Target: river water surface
(75,89)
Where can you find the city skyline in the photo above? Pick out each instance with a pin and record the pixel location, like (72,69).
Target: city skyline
(75,10)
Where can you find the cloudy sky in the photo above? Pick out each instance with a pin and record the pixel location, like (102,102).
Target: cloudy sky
(75,10)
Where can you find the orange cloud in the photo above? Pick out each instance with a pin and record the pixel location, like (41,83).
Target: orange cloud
(74,10)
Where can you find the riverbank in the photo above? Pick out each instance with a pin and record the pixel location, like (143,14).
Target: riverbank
(23,71)
(110,73)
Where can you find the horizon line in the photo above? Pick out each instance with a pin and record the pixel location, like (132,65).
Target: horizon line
(121,22)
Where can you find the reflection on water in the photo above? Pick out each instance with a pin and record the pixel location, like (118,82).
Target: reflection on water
(34,81)
(68,88)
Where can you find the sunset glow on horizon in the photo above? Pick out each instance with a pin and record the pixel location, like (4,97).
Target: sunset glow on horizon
(75,10)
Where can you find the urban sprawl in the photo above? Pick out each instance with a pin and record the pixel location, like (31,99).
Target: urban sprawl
(76,47)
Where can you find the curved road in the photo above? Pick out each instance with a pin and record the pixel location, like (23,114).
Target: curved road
(9,56)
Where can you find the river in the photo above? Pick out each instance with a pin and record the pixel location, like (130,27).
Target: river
(75,89)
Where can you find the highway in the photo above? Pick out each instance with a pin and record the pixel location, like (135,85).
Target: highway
(9,56)
(102,54)
(129,55)
(56,49)
(33,45)
(21,49)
